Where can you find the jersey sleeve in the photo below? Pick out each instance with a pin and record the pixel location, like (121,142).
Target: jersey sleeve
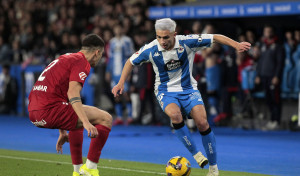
(198,41)
(80,69)
(140,57)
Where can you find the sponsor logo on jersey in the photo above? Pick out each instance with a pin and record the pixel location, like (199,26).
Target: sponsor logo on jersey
(82,75)
(172,65)
(156,54)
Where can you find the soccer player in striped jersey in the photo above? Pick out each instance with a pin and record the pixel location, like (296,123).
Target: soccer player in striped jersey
(120,48)
(172,57)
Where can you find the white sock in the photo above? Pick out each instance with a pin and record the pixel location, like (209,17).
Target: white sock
(213,167)
(77,167)
(90,164)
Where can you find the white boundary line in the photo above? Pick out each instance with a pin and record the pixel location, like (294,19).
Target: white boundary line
(105,167)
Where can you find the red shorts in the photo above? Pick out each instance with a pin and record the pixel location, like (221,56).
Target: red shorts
(62,116)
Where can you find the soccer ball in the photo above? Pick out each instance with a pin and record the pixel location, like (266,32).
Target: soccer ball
(178,166)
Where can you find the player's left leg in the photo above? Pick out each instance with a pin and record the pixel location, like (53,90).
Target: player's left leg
(64,117)
(103,122)
(198,113)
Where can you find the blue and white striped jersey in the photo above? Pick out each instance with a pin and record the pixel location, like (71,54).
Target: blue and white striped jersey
(119,51)
(173,68)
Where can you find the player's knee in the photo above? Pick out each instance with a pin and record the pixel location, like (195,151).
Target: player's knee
(109,119)
(104,119)
(202,124)
(176,117)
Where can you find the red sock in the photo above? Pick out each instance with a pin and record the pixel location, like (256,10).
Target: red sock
(98,143)
(76,140)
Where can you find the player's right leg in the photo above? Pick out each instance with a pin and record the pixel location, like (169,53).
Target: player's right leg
(63,116)
(183,133)
(103,122)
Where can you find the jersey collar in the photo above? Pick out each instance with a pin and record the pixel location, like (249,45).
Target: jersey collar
(175,46)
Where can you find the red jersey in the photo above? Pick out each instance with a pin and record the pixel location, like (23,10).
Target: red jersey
(53,83)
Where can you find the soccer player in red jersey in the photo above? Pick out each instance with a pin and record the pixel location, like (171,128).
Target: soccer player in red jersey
(54,102)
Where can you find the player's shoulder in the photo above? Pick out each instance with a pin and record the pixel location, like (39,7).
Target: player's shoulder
(191,38)
(71,58)
(70,55)
(188,37)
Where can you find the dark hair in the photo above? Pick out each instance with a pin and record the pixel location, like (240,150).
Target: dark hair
(92,41)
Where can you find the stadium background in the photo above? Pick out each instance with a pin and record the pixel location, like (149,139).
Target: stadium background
(37,33)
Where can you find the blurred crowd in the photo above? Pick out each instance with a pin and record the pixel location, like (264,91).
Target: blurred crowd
(36,32)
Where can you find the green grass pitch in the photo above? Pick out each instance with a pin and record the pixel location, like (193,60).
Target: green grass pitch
(16,163)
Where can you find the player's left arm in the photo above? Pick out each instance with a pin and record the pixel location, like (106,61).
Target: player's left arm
(63,138)
(239,46)
(75,100)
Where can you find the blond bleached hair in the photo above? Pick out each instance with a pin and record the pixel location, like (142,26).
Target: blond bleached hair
(165,24)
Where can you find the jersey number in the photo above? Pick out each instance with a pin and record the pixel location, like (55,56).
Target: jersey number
(41,77)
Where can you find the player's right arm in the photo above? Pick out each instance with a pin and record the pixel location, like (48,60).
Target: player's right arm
(118,89)
(75,100)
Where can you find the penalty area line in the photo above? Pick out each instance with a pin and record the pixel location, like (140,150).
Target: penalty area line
(61,162)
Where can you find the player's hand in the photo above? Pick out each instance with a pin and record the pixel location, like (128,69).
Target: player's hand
(118,89)
(91,129)
(60,141)
(243,46)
